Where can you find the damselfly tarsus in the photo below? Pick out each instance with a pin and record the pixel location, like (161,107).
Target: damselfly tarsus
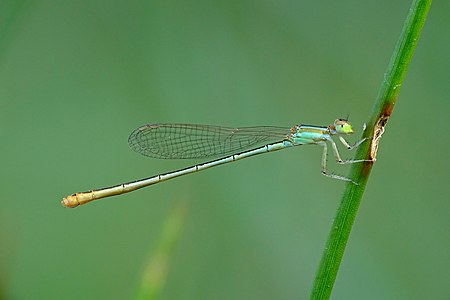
(188,141)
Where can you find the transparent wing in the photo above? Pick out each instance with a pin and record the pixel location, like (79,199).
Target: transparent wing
(185,141)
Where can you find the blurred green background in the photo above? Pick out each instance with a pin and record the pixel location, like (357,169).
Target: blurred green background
(76,77)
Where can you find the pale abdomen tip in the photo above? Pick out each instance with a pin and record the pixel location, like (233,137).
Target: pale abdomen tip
(70,201)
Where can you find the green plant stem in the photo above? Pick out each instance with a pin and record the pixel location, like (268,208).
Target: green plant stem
(157,267)
(383,107)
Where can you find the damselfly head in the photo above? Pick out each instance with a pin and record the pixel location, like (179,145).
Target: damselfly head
(343,126)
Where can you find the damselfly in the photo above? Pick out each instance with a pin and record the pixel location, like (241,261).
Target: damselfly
(189,141)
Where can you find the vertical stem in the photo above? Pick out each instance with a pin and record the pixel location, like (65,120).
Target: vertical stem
(383,107)
(157,267)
